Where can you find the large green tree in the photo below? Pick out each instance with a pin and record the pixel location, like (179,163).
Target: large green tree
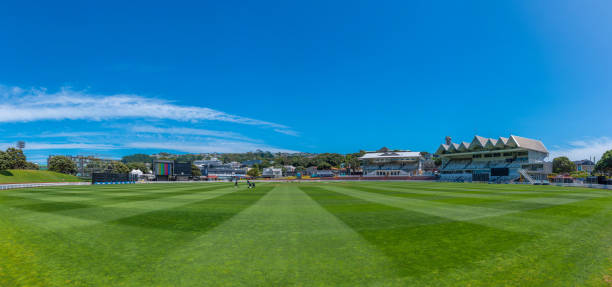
(195,171)
(32,166)
(63,164)
(254,172)
(5,162)
(16,158)
(119,167)
(604,165)
(324,166)
(562,164)
(188,157)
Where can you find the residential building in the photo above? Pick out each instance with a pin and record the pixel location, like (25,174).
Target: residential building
(289,170)
(585,165)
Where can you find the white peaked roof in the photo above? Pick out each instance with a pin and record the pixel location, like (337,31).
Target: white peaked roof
(443,148)
(501,142)
(390,154)
(478,141)
(511,142)
(529,144)
(490,143)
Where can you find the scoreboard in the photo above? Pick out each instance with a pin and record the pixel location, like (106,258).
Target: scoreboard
(163,168)
(182,168)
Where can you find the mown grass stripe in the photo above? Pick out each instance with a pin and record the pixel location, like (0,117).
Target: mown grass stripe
(499,189)
(131,245)
(40,204)
(286,239)
(332,236)
(95,212)
(451,211)
(497,201)
(569,251)
(419,244)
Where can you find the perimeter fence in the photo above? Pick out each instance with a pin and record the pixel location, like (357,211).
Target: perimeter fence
(29,185)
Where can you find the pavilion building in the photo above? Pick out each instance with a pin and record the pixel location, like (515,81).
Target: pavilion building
(385,162)
(494,160)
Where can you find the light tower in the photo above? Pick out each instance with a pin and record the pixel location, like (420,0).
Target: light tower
(20,144)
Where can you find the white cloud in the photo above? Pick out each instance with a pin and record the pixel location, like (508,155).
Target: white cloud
(53,146)
(584,149)
(69,135)
(287,132)
(205,146)
(220,146)
(188,131)
(20,105)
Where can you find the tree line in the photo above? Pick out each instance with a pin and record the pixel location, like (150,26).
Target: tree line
(14,158)
(65,165)
(300,161)
(563,165)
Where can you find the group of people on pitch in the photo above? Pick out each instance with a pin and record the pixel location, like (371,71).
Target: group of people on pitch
(251,184)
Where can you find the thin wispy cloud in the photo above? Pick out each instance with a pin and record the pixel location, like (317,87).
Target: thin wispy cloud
(219,146)
(287,132)
(68,135)
(56,146)
(583,149)
(28,105)
(188,131)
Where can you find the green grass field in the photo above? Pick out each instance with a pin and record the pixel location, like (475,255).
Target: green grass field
(31,176)
(286,234)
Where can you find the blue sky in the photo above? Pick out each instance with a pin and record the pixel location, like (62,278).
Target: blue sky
(114,78)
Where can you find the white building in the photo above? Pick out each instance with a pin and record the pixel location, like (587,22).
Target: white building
(494,160)
(215,168)
(289,170)
(391,163)
(271,172)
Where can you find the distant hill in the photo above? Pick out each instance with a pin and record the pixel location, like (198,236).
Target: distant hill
(30,176)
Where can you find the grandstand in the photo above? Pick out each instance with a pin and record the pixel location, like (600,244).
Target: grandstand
(499,160)
(391,163)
